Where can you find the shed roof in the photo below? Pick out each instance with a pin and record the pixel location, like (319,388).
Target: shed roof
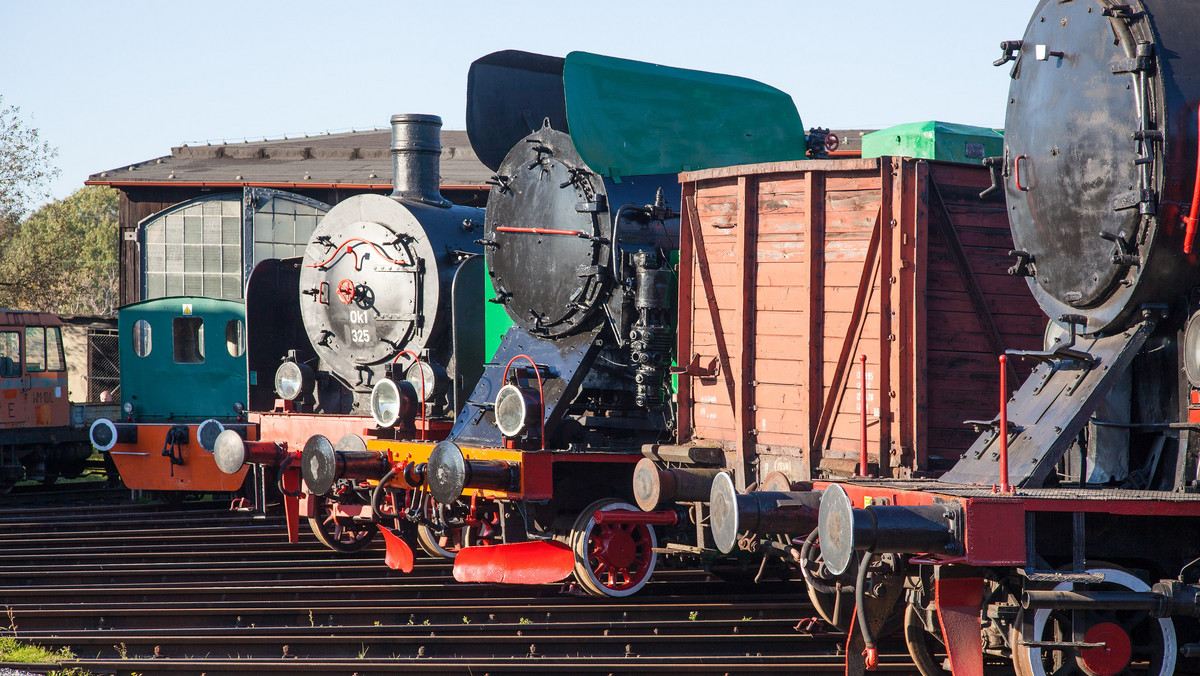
(347,160)
(359,160)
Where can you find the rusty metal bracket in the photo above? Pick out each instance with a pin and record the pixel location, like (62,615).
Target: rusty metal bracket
(693,368)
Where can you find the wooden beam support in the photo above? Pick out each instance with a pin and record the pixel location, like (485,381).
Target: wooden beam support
(747,251)
(814,275)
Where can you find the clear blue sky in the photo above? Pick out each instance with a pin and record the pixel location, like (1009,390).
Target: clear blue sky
(111,83)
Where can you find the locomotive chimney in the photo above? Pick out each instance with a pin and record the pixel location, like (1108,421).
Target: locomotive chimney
(416,158)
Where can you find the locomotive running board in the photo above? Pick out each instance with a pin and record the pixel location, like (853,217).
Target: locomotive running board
(1047,413)
(517,563)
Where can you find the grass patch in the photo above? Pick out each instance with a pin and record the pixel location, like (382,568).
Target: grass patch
(12,651)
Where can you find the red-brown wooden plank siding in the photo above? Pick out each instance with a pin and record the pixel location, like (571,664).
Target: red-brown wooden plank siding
(810,264)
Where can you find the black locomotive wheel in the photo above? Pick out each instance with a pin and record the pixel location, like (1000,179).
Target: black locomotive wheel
(338,536)
(443,545)
(612,559)
(835,604)
(1133,642)
(922,646)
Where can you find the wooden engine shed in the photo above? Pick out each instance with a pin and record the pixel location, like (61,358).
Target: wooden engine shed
(790,271)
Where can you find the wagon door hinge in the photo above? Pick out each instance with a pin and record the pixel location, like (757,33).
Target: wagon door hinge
(1145,200)
(1024,265)
(1121,11)
(1143,62)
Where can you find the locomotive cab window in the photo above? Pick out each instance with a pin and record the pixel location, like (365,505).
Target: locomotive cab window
(189,340)
(54,350)
(235,338)
(10,354)
(141,338)
(35,349)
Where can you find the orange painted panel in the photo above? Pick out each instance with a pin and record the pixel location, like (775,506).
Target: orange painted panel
(143,466)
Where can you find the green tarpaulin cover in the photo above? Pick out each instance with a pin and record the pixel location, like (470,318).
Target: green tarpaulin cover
(935,140)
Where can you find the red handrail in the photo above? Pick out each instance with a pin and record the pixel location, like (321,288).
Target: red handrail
(541,231)
(541,395)
(1190,219)
(344,244)
(422,402)
(1004,486)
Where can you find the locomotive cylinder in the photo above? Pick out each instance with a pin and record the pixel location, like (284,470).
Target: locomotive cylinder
(881,529)
(653,487)
(322,465)
(416,158)
(449,472)
(760,513)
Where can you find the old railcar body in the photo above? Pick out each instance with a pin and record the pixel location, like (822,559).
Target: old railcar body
(38,438)
(183,382)
(1061,540)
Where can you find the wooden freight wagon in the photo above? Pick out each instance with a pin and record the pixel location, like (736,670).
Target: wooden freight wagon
(792,270)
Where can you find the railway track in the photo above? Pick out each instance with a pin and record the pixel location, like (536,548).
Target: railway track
(143,589)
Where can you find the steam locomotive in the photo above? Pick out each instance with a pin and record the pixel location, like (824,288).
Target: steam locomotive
(1061,540)
(580,237)
(372,333)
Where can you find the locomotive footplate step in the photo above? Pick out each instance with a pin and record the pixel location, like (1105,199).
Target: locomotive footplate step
(1052,406)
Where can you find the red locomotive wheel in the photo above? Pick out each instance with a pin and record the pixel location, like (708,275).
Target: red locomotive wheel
(832,142)
(1111,659)
(445,545)
(336,536)
(345,291)
(612,559)
(1129,636)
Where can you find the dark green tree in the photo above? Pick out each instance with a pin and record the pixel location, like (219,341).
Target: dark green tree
(63,258)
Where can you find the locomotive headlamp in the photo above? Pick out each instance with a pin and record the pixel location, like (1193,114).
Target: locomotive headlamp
(128,408)
(392,402)
(428,377)
(517,409)
(1191,350)
(293,380)
(1055,332)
